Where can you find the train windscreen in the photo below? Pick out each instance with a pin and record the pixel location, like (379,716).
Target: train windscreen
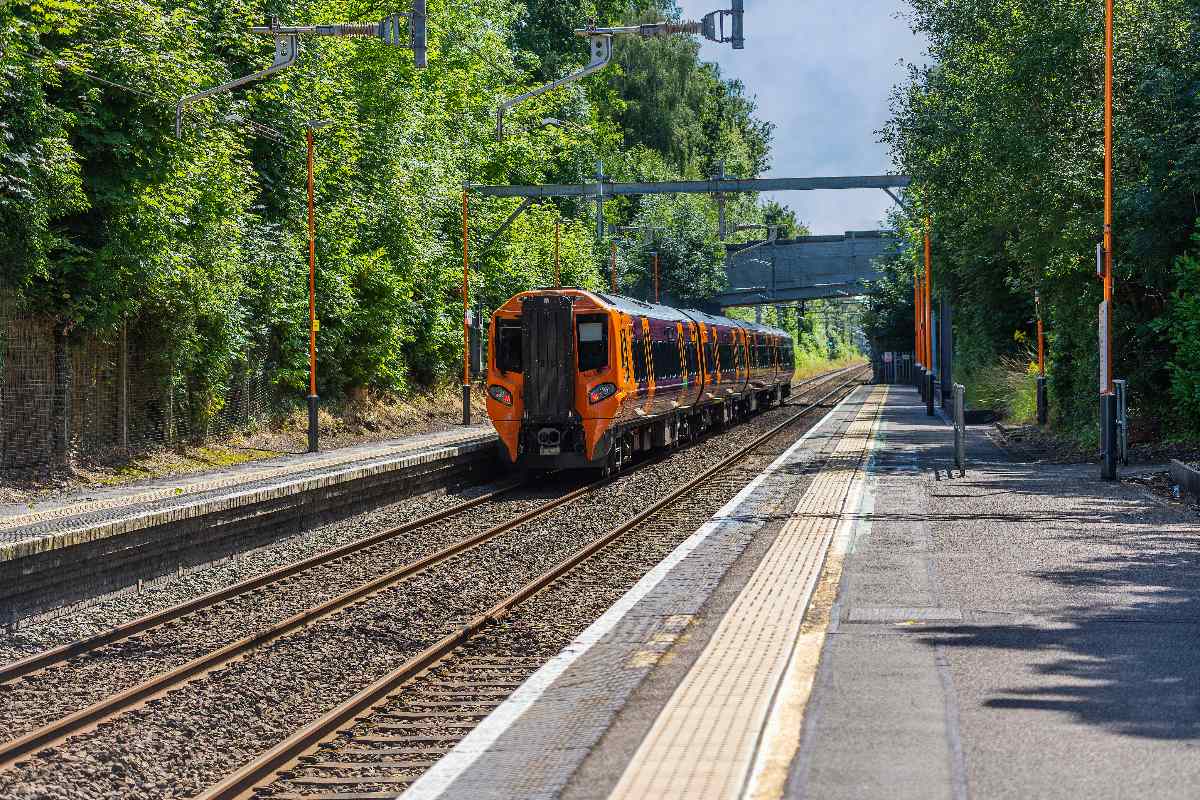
(592,332)
(508,347)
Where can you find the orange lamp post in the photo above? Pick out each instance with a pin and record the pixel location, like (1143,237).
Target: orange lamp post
(612,265)
(1043,411)
(917,349)
(1108,399)
(927,310)
(313,324)
(466,365)
(557,261)
(657,295)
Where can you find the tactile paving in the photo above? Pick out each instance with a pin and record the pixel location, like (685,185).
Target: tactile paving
(703,743)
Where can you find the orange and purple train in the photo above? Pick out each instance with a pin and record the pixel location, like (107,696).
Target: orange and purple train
(578,379)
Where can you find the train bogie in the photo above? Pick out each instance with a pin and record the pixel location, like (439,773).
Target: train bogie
(578,379)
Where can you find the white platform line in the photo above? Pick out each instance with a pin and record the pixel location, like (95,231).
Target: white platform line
(455,763)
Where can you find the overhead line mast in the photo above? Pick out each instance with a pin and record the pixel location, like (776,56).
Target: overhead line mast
(287,47)
(711,27)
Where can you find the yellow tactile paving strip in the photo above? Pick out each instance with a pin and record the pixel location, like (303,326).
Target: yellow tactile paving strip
(703,743)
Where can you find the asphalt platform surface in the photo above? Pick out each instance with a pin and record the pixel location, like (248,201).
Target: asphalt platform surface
(1024,631)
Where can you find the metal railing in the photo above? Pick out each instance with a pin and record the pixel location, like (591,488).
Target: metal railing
(960,427)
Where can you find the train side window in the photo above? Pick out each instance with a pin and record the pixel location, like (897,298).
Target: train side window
(725,356)
(639,356)
(508,347)
(666,359)
(593,342)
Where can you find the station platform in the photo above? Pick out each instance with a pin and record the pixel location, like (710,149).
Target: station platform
(895,630)
(106,537)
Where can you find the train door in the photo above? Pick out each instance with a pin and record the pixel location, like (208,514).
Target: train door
(628,381)
(708,346)
(693,381)
(642,366)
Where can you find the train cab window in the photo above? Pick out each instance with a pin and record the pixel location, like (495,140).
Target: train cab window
(710,353)
(593,342)
(508,347)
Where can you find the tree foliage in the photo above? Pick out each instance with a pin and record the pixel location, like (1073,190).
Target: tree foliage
(201,242)
(1002,134)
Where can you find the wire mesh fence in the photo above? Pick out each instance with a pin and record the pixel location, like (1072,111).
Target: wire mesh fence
(66,396)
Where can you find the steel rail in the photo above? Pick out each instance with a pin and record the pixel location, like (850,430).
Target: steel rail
(58,655)
(157,686)
(242,783)
(48,658)
(88,718)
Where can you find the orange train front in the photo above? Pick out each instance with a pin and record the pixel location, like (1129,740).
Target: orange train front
(578,379)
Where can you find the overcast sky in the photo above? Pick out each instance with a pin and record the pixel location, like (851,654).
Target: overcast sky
(823,71)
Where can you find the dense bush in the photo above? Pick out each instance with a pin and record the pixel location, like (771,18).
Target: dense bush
(1002,134)
(201,241)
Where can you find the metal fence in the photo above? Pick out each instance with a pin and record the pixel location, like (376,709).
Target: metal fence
(892,368)
(117,393)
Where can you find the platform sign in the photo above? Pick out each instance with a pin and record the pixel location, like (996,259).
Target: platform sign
(1105,366)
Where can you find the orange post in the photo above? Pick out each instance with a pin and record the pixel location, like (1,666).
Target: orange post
(1041,334)
(917,349)
(312,275)
(1106,356)
(557,261)
(312,303)
(656,291)
(1109,439)
(466,370)
(927,304)
(612,266)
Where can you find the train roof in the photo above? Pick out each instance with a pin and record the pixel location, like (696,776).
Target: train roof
(640,308)
(758,326)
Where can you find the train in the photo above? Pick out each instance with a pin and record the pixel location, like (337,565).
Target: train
(583,380)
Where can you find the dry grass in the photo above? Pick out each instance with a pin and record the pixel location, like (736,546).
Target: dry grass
(806,368)
(365,418)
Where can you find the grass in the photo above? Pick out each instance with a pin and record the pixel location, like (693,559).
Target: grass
(808,366)
(1008,387)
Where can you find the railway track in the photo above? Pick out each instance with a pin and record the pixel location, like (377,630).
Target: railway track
(376,744)
(95,714)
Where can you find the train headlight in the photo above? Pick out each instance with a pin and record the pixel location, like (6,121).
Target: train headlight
(500,394)
(601,392)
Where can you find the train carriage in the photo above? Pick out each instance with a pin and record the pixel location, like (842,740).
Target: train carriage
(579,379)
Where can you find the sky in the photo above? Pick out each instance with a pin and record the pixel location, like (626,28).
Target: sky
(823,72)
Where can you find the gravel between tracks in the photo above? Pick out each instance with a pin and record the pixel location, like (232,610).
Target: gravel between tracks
(540,628)
(177,745)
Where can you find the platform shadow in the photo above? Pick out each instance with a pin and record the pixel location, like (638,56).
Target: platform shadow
(1132,669)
